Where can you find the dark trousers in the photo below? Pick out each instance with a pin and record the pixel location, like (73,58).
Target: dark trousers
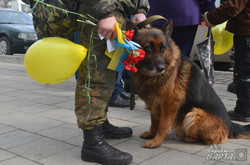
(184,38)
(118,86)
(242,69)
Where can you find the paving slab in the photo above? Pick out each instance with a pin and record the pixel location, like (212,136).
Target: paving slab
(38,125)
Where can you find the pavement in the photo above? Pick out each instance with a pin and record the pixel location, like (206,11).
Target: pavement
(38,126)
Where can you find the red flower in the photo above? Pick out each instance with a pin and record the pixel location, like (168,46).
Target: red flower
(130,34)
(141,54)
(133,58)
(130,68)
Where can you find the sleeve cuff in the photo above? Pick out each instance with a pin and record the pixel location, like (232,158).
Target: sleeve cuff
(141,11)
(206,20)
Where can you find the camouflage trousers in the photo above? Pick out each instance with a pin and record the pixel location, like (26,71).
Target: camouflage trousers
(102,83)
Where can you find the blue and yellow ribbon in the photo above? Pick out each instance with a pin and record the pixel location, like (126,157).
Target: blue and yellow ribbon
(120,53)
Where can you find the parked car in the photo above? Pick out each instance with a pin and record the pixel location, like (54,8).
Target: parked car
(221,61)
(17,32)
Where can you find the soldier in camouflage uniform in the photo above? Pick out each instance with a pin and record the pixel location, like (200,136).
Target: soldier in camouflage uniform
(94,124)
(103,80)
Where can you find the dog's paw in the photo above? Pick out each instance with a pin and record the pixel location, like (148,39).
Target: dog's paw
(151,144)
(147,135)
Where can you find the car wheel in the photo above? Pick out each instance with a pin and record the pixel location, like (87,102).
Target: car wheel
(5,46)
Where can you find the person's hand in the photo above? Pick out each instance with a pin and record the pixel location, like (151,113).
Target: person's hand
(107,28)
(204,16)
(138,17)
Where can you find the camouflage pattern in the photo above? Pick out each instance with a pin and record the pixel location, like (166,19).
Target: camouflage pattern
(105,8)
(102,82)
(52,22)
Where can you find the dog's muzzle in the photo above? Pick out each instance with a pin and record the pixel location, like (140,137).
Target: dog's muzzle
(160,68)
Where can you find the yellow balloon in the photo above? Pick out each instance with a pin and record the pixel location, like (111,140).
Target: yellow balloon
(223,39)
(53,60)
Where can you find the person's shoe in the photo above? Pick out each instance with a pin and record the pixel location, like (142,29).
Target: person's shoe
(238,117)
(119,102)
(126,95)
(113,132)
(96,149)
(232,87)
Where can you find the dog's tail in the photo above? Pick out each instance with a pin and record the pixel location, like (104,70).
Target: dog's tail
(238,131)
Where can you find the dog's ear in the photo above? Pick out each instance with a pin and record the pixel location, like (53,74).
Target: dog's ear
(168,28)
(131,26)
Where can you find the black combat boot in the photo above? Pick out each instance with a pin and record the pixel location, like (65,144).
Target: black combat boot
(113,132)
(95,149)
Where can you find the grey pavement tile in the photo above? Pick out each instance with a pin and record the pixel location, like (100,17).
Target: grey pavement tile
(16,138)
(52,100)
(4,98)
(28,86)
(31,86)
(58,90)
(244,142)
(16,104)
(77,140)
(18,161)
(139,153)
(33,96)
(6,129)
(229,153)
(62,132)
(172,143)
(229,104)
(5,155)
(55,90)
(136,116)
(69,156)
(173,157)
(67,104)
(18,93)
(36,108)
(17,117)
(138,130)
(114,142)
(41,148)
(122,122)
(64,115)
(6,111)
(37,124)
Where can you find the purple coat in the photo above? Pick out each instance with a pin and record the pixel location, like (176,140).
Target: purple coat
(182,12)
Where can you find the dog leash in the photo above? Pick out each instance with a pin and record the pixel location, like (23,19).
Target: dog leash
(145,23)
(149,20)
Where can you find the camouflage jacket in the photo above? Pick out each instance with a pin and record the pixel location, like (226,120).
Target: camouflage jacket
(105,8)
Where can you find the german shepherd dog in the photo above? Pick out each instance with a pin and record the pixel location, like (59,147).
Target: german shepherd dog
(177,94)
